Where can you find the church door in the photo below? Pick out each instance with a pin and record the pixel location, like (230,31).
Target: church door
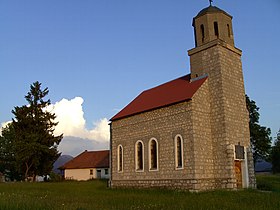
(238,173)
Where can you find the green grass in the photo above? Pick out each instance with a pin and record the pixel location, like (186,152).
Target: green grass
(269,182)
(95,195)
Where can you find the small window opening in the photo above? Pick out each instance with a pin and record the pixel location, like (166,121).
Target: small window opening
(120,158)
(153,155)
(179,152)
(139,156)
(216,29)
(106,171)
(228,29)
(90,172)
(202,32)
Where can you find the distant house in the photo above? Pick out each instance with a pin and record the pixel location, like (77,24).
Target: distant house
(60,162)
(87,165)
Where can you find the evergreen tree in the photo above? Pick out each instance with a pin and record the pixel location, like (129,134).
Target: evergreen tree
(275,155)
(259,135)
(8,164)
(34,143)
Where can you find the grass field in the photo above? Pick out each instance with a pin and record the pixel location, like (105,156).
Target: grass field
(95,195)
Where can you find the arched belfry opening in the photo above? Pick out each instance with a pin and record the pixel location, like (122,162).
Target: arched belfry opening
(213,23)
(202,33)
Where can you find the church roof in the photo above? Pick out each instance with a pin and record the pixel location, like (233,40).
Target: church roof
(211,9)
(175,91)
(89,159)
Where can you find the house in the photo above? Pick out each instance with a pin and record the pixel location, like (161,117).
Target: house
(191,132)
(87,165)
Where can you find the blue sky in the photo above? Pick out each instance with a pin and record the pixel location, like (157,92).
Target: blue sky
(107,52)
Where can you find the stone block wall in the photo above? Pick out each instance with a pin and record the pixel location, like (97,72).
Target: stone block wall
(162,124)
(191,120)
(229,116)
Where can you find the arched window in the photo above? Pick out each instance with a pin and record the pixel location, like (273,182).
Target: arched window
(153,154)
(202,32)
(120,158)
(216,29)
(179,162)
(139,156)
(228,29)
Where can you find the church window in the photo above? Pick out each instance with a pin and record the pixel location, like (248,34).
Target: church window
(153,154)
(178,151)
(120,158)
(202,32)
(228,28)
(139,156)
(216,29)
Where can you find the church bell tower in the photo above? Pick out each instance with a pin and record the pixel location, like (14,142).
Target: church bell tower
(216,57)
(213,23)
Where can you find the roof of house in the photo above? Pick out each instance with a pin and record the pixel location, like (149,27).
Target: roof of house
(89,159)
(175,91)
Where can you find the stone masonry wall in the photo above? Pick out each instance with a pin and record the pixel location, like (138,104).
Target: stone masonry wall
(189,119)
(202,134)
(163,124)
(229,117)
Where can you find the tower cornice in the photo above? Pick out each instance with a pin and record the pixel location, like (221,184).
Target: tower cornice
(212,44)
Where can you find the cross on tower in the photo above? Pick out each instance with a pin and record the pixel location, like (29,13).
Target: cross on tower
(210,1)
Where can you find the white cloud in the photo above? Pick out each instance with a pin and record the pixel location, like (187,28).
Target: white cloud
(71,121)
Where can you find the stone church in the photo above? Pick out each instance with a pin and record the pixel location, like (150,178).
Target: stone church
(192,132)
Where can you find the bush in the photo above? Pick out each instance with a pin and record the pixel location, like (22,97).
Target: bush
(55,177)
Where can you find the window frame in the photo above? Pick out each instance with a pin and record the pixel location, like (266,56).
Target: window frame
(216,29)
(202,32)
(119,169)
(137,169)
(176,152)
(106,171)
(91,172)
(149,155)
(229,30)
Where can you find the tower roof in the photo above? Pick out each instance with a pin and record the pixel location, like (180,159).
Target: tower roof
(175,91)
(211,9)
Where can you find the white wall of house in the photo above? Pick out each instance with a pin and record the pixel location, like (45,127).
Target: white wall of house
(86,174)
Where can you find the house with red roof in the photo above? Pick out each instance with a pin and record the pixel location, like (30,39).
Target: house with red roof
(191,132)
(87,165)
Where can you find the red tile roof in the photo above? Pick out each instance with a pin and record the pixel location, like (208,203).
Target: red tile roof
(89,159)
(175,91)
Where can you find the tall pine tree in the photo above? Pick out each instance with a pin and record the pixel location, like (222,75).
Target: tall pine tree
(34,140)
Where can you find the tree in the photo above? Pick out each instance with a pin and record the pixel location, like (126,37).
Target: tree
(275,155)
(35,146)
(259,135)
(7,153)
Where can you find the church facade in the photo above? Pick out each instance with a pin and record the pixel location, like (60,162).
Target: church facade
(192,132)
